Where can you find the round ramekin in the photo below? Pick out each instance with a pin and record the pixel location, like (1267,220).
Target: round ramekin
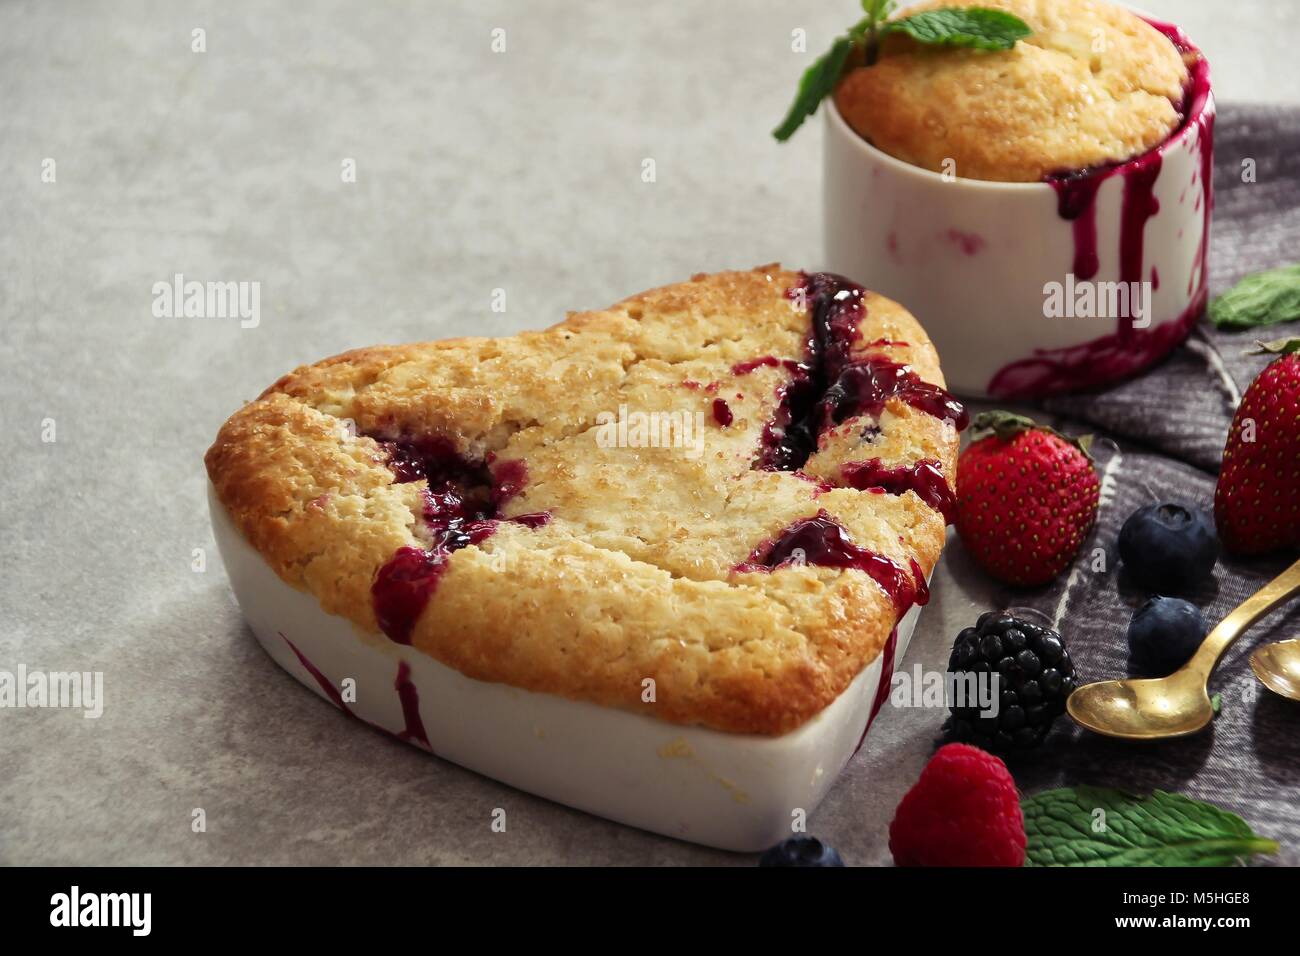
(732,791)
(997,272)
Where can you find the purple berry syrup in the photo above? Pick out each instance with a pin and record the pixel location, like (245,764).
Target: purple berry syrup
(461,506)
(722,412)
(1129,349)
(923,477)
(864,388)
(882,687)
(409,697)
(407,694)
(823,542)
(832,384)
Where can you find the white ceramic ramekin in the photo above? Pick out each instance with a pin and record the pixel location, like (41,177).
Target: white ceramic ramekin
(733,791)
(974,260)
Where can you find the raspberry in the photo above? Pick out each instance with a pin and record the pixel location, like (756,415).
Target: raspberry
(964,811)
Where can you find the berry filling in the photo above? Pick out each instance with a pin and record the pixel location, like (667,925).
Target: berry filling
(923,477)
(461,505)
(884,683)
(1128,349)
(722,412)
(695,386)
(823,542)
(821,484)
(510,477)
(831,385)
(770,361)
(433,459)
(865,387)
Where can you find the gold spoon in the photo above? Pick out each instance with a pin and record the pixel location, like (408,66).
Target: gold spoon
(1278,667)
(1177,705)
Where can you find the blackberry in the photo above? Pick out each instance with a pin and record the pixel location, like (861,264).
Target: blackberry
(1035,676)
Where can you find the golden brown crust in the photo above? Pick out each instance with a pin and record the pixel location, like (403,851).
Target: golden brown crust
(635,575)
(1094,84)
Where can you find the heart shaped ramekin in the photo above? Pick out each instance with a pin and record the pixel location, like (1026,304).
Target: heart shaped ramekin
(732,791)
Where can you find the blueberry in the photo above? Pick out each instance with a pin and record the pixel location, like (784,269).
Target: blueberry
(1164,633)
(800,851)
(1168,547)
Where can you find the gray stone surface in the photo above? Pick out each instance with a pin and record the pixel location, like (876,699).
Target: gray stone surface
(475,171)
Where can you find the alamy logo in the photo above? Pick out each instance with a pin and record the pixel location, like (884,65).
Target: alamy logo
(179,299)
(1083,299)
(676,429)
(77,690)
(102,909)
(944,689)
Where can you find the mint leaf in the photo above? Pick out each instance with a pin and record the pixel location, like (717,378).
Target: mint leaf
(1264,298)
(1097,826)
(876,10)
(976,27)
(817,83)
(1216,703)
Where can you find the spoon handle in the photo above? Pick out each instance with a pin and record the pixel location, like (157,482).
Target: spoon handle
(1247,613)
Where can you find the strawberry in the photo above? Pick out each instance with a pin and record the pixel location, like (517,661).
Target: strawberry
(1026,498)
(1257,500)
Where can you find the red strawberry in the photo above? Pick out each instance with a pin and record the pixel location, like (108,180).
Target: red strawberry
(1257,501)
(1026,498)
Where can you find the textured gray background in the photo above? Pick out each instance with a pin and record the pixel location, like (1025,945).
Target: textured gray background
(476,171)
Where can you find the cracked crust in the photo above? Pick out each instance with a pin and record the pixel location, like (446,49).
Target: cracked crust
(633,577)
(1052,104)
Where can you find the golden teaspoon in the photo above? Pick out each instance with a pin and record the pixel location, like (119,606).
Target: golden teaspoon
(1177,705)
(1278,667)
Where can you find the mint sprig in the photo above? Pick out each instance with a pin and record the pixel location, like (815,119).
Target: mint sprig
(977,28)
(1098,826)
(1264,298)
(814,86)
